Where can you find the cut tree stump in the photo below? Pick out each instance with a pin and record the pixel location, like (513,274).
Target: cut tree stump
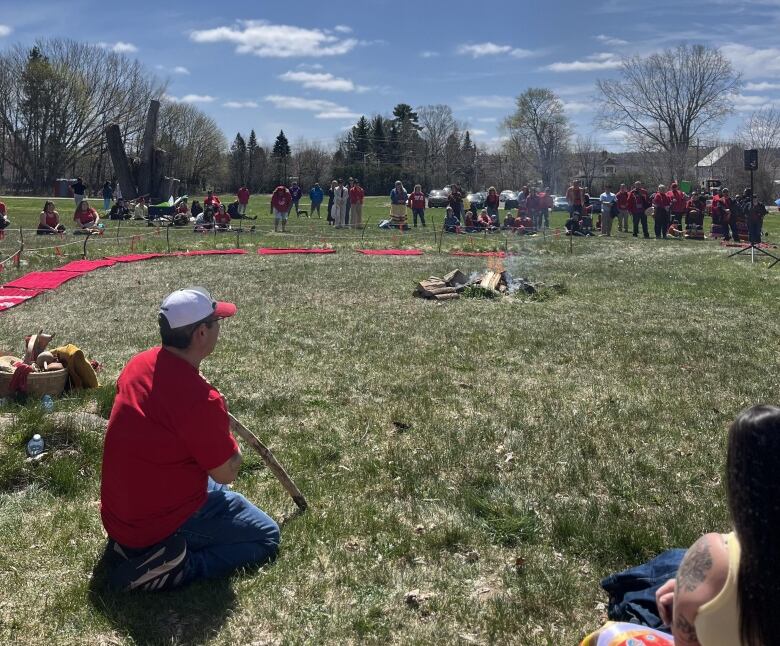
(120,162)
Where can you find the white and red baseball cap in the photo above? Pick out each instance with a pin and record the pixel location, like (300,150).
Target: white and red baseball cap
(191,305)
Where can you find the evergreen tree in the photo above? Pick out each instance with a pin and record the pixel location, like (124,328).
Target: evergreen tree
(404,114)
(252,161)
(281,156)
(360,140)
(379,138)
(238,162)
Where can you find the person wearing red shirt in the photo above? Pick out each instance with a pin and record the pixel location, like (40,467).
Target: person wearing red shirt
(492,201)
(638,204)
(533,206)
(243,200)
(212,201)
(50,220)
(417,204)
(623,198)
(86,217)
(723,212)
(356,196)
(167,458)
(547,205)
(661,204)
(281,202)
(222,218)
(677,201)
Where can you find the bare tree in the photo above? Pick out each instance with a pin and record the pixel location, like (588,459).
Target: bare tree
(437,124)
(588,161)
(58,97)
(668,99)
(539,130)
(761,130)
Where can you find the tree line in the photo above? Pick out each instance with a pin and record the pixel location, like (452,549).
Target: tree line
(59,95)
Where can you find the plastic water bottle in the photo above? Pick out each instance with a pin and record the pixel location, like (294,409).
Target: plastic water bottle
(47,403)
(35,446)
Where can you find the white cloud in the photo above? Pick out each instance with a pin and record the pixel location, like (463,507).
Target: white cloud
(763,86)
(576,107)
(5,30)
(191,98)
(592,63)
(609,40)
(324,109)
(322,81)
(240,104)
(477,132)
(119,47)
(752,61)
(487,119)
(263,39)
(343,29)
(429,54)
(179,69)
(491,49)
(751,102)
(487,101)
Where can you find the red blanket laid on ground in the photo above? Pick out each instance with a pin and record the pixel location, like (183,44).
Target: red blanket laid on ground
(43,279)
(267,251)
(135,257)
(390,252)
(83,266)
(493,254)
(10,296)
(211,252)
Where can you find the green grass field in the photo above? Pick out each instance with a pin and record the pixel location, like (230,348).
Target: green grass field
(498,456)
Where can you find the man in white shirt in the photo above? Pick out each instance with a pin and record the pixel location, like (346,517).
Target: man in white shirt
(606,199)
(340,198)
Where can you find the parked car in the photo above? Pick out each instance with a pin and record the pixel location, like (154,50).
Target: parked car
(560,203)
(595,205)
(437,198)
(476,201)
(509,199)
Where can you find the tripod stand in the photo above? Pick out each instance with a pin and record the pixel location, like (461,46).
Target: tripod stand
(752,248)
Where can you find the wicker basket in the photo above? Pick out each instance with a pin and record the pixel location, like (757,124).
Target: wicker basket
(38,383)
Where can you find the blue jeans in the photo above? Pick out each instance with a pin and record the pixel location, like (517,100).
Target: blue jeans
(227,533)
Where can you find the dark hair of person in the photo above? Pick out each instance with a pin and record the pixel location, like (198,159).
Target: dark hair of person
(752,471)
(179,337)
(46,203)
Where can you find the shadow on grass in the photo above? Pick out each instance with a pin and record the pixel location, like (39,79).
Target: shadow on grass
(186,616)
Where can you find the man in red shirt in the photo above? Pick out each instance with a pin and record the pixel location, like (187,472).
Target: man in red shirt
(281,202)
(417,204)
(243,200)
(212,201)
(661,204)
(574,195)
(622,198)
(356,197)
(167,457)
(677,204)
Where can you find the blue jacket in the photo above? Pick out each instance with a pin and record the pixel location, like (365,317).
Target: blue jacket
(316,194)
(399,198)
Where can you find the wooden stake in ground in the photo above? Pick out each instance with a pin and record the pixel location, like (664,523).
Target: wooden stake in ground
(239,429)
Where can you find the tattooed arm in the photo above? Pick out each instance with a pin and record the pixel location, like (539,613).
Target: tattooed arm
(700,578)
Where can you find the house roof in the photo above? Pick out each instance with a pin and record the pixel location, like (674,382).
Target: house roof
(714,157)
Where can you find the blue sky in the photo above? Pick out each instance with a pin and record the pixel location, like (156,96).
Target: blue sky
(312,68)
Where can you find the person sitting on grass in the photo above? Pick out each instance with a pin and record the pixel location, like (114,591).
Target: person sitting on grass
(211,200)
(509,220)
(727,585)
(470,223)
(50,220)
(451,222)
(281,203)
(484,222)
(140,211)
(205,220)
(196,209)
(4,221)
(119,211)
(86,218)
(222,219)
(168,457)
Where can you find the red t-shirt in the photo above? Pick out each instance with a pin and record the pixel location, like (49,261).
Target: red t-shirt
(356,194)
(2,208)
(417,200)
(622,200)
(85,217)
(243,195)
(212,201)
(281,200)
(168,428)
(222,218)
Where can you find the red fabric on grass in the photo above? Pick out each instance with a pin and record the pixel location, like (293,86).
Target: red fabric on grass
(84,266)
(493,254)
(267,251)
(390,252)
(135,257)
(12,296)
(44,279)
(213,252)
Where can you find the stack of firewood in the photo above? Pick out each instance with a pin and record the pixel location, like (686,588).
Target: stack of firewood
(453,283)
